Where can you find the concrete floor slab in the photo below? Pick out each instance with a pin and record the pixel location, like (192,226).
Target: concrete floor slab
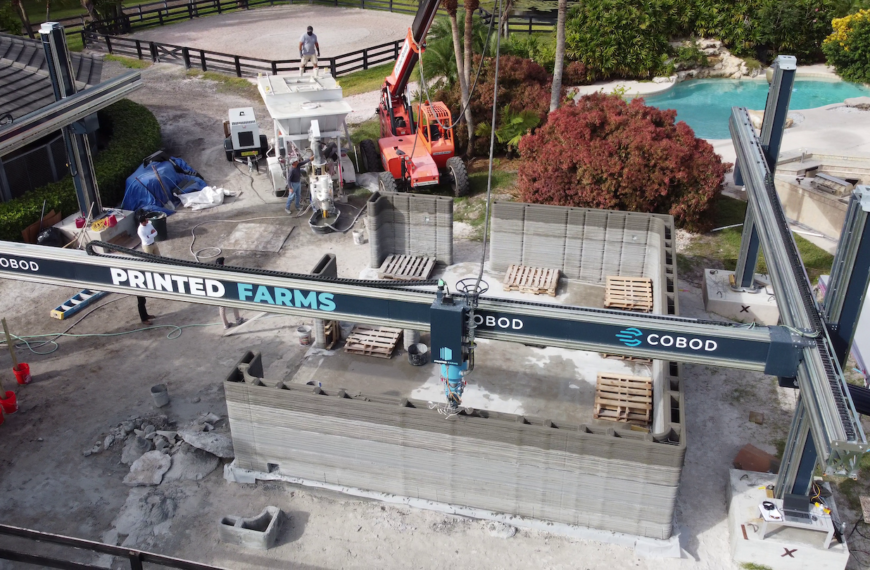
(258,237)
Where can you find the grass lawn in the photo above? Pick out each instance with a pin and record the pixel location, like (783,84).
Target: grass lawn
(719,250)
(63,8)
(226,83)
(128,62)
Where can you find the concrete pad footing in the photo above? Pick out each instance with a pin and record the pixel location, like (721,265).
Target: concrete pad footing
(721,299)
(784,548)
(257,532)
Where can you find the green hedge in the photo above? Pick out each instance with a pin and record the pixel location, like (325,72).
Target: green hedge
(135,133)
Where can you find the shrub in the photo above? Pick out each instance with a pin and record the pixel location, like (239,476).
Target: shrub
(538,48)
(613,38)
(606,153)
(523,85)
(575,73)
(135,135)
(691,56)
(848,48)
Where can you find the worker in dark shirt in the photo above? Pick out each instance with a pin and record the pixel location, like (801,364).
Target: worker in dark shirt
(295,183)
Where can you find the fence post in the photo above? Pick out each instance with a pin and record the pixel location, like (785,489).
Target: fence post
(190,11)
(202,60)
(84,38)
(185,55)
(391,5)
(238,66)
(366,58)
(153,47)
(530,26)
(332,69)
(140,12)
(396,50)
(218,4)
(139,49)
(108,43)
(160,15)
(274,68)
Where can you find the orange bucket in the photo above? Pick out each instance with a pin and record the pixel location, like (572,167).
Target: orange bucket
(9,403)
(22,373)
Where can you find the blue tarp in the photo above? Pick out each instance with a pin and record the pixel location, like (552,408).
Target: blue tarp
(145,192)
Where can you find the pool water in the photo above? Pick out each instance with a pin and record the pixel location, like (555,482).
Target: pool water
(705,104)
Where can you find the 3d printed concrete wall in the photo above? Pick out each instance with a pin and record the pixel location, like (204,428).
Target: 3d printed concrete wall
(410,224)
(587,245)
(601,476)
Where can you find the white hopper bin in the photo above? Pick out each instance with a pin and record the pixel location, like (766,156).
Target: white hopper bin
(295,101)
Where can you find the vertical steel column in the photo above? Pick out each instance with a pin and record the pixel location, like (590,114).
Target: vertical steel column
(850,276)
(799,457)
(772,127)
(81,164)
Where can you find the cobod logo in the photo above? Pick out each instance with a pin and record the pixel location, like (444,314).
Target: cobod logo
(634,337)
(502,322)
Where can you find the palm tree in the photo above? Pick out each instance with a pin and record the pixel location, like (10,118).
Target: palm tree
(471,7)
(22,15)
(452,6)
(556,92)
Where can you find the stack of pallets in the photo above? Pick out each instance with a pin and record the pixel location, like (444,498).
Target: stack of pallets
(629,294)
(634,359)
(407,267)
(373,341)
(535,280)
(332,332)
(622,398)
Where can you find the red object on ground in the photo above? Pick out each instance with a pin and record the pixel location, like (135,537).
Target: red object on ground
(111,221)
(9,403)
(750,458)
(80,223)
(22,373)
(1,418)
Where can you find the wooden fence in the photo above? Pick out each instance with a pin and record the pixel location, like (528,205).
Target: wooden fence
(238,65)
(171,11)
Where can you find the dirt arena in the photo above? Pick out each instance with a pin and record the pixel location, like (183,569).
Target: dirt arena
(273,33)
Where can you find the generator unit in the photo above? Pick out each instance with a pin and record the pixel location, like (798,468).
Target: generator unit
(243,140)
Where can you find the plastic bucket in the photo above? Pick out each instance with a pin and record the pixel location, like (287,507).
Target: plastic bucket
(80,223)
(22,373)
(304,334)
(418,354)
(9,403)
(160,395)
(158,220)
(111,221)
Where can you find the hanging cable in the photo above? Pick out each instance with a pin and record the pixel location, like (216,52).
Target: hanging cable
(491,152)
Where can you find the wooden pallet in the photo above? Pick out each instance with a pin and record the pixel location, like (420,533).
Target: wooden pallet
(373,341)
(622,398)
(535,280)
(407,267)
(635,359)
(629,293)
(332,332)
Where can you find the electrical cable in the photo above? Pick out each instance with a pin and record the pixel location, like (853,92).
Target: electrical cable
(491,153)
(251,178)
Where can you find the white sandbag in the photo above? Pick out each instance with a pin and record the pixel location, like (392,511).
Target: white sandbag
(208,197)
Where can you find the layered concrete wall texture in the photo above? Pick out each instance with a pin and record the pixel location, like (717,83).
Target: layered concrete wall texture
(605,477)
(410,224)
(823,212)
(587,245)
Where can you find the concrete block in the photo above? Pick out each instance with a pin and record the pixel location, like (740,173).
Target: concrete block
(257,532)
(719,298)
(784,548)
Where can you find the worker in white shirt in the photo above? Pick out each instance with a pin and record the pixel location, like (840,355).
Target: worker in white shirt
(309,50)
(147,233)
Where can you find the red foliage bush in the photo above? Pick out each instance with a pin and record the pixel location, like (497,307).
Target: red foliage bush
(606,153)
(522,84)
(575,73)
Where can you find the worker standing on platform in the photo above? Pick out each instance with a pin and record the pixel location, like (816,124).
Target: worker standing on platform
(309,50)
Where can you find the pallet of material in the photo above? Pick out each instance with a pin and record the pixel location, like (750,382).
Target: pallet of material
(622,398)
(634,359)
(373,341)
(534,280)
(629,293)
(332,332)
(407,267)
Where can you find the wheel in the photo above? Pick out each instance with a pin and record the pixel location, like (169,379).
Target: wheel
(458,176)
(371,158)
(228,148)
(386,183)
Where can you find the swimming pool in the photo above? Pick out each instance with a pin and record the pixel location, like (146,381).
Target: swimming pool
(705,104)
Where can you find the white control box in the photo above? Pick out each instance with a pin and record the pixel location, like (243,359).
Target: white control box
(243,129)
